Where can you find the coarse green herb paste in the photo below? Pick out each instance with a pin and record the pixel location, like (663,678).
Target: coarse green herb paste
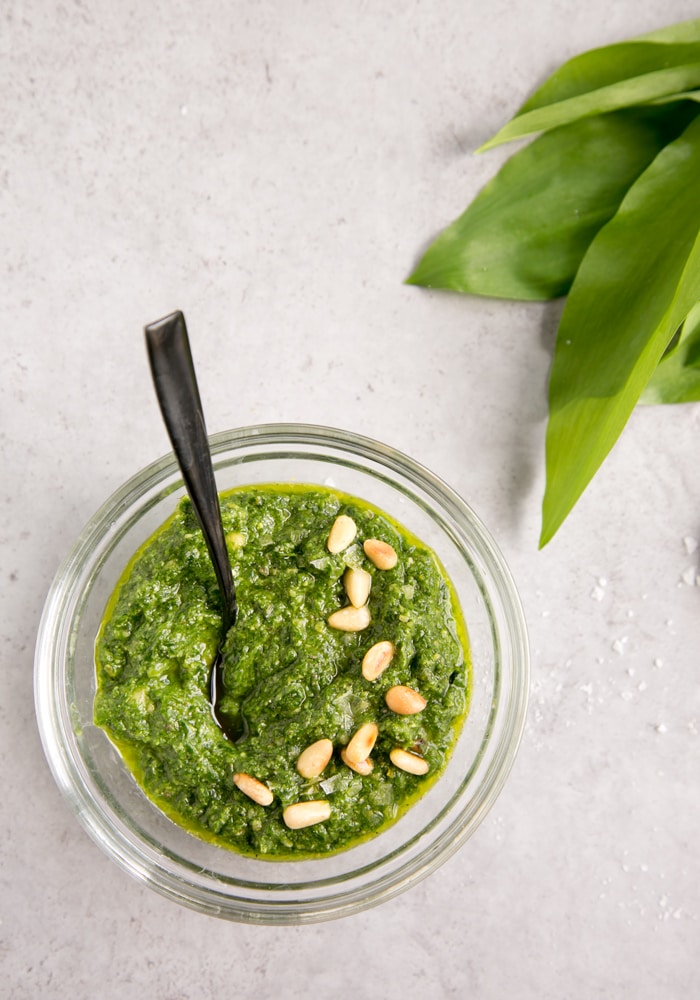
(289,676)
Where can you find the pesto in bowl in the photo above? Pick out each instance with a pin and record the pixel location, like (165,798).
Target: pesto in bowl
(292,676)
(310,886)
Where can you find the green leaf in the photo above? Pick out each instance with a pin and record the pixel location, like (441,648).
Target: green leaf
(687,95)
(637,283)
(607,79)
(684,31)
(676,378)
(524,235)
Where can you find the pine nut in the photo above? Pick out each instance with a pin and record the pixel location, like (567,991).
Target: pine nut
(360,746)
(350,619)
(377,659)
(404,700)
(360,766)
(253,788)
(409,762)
(380,553)
(343,531)
(302,814)
(358,583)
(314,759)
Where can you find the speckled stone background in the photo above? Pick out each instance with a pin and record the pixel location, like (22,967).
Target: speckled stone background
(274,169)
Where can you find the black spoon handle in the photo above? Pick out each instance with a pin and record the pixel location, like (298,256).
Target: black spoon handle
(178,395)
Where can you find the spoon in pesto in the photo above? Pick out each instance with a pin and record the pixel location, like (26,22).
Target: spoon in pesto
(176,388)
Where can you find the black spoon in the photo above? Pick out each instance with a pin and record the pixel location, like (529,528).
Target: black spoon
(175,383)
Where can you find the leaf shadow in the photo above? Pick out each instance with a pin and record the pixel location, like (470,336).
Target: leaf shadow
(551,317)
(527,460)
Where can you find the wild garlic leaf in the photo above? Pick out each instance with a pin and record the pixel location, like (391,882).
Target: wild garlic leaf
(637,283)
(687,95)
(524,235)
(607,79)
(676,378)
(684,31)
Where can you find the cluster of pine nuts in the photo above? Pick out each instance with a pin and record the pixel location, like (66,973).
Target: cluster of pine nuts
(399,699)
(355,617)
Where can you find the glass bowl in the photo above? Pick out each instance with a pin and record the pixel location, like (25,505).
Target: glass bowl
(112,808)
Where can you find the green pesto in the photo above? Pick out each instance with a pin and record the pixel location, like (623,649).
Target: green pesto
(287,673)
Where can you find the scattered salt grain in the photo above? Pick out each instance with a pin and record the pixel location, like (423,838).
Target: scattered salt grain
(619,645)
(597,593)
(661,728)
(688,576)
(690,543)
(658,663)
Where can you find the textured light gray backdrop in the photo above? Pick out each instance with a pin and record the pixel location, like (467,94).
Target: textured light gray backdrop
(274,169)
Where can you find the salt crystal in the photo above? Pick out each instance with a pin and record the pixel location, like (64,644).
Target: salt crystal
(619,645)
(627,696)
(642,686)
(602,582)
(690,543)
(597,593)
(661,728)
(688,576)
(658,663)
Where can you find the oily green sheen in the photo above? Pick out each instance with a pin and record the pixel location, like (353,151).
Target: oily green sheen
(289,678)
